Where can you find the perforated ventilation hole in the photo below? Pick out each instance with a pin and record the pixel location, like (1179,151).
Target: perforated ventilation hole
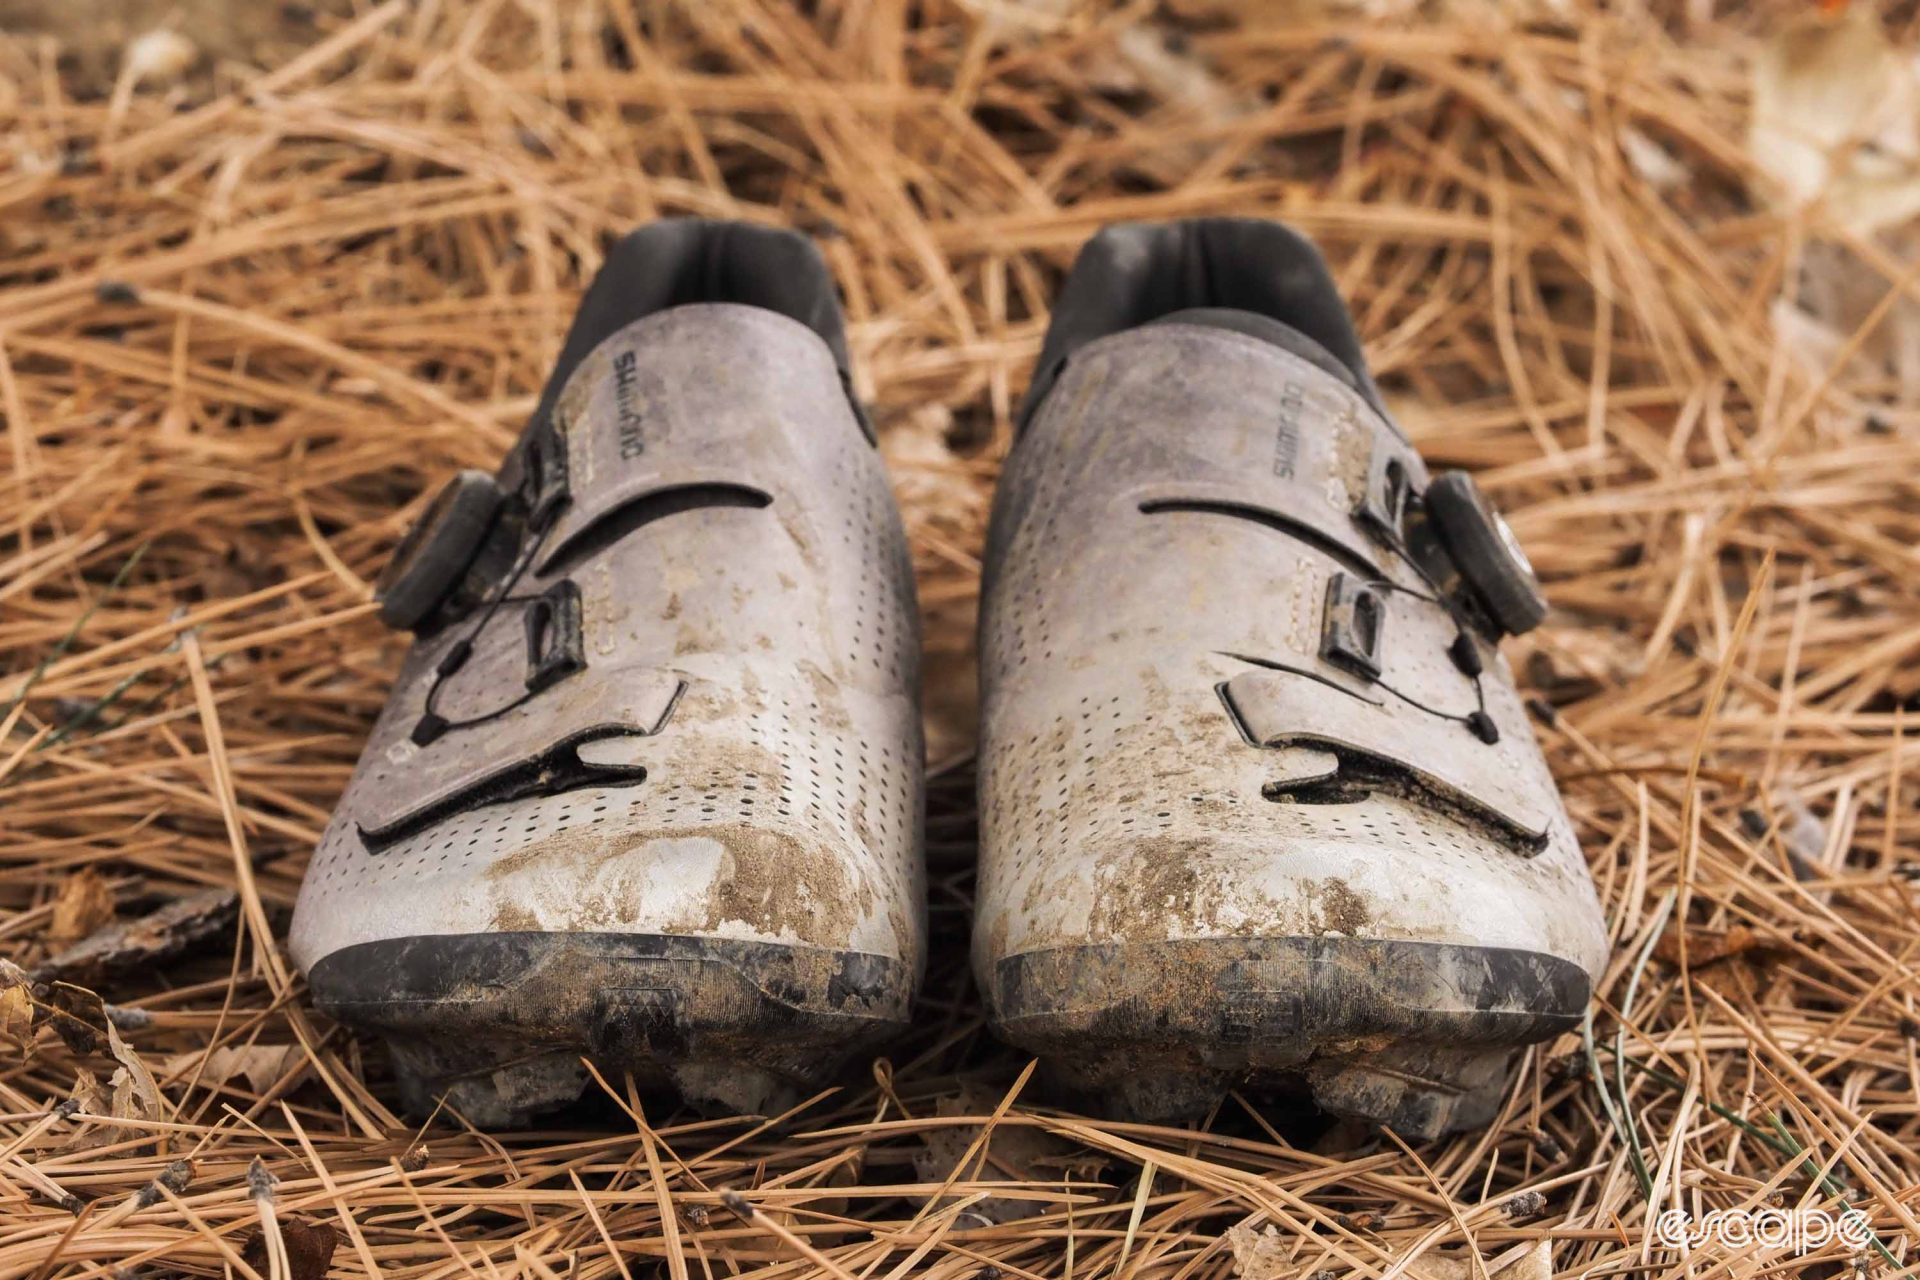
(820,780)
(1061,793)
(1025,628)
(1102,778)
(832,784)
(882,637)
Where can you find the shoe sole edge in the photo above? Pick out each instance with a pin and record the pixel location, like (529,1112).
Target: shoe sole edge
(1417,1035)
(497,1024)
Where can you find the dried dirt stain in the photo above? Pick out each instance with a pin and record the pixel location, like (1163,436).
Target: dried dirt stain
(775,883)
(1341,909)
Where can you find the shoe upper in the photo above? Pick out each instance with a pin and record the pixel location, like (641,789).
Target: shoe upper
(1234,685)
(670,685)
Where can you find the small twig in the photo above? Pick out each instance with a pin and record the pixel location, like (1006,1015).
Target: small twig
(744,1210)
(260,1185)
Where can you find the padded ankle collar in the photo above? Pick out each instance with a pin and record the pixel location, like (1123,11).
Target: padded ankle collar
(1235,272)
(679,261)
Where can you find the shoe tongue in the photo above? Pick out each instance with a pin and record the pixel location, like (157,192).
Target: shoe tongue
(1267,329)
(677,262)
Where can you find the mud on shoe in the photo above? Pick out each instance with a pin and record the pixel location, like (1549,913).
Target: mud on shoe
(1260,805)
(647,789)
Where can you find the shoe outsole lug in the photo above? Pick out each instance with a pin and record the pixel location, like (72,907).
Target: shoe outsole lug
(1417,1036)
(500,1026)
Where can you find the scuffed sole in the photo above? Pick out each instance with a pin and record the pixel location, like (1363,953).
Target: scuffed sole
(1418,1036)
(496,1025)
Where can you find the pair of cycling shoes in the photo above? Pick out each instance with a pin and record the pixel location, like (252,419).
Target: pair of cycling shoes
(1260,805)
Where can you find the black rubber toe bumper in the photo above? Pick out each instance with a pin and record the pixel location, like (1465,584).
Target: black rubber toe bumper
(1417,1035)
(500,1021)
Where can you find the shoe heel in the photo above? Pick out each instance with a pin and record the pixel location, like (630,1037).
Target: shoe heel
(490,1088)
(503,1091)
(1417,1090)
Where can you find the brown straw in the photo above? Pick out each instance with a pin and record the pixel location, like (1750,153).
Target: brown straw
(250,316)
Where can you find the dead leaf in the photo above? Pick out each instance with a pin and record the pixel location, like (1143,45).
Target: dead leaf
(135,1094)
(1809,341)
(1533,1262)
(261,1065)
(1836,122)
(1707,946)
(1838,290)
(1258,1253)
(174,929)
(310,1247)
(1836,118)
(84,904)
(1526,1261)
(138,1084)
(16,1006)
(78,1016)
(1015,1153)
(1522,1262)
(87,1095)
(130,1094)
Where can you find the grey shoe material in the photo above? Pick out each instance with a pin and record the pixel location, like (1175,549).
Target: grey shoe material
(1260,802)
(1242,270)
(677,261)
(1267,329)
(670,263)
(662,732)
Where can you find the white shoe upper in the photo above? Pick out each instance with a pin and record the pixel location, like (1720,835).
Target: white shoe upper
(747,642)
(1171,749)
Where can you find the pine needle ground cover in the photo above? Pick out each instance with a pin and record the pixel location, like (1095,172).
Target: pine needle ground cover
(1650,274)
